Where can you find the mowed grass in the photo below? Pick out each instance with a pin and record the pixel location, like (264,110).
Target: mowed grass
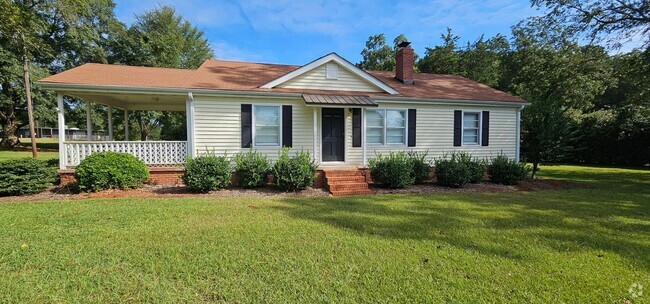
(49,144)
(586,245)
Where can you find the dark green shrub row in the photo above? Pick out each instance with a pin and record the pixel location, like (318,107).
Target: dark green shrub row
(26,176)
(252,169)
(458,169)
(110,170)
(508,172)
(207,173)
(399,169)
(294,173)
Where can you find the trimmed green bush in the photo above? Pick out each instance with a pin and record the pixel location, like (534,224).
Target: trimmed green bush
(294,173)
(207,173)
(451,172)
(421,167)
(252,169)
(110,170)
(475,166)
(26,176)
(392,171)
(502,170)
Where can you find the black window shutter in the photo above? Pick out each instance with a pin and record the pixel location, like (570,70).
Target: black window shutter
(356,127)
(458,125)
(246,125)
(287,126)
(411,127)
(485,126)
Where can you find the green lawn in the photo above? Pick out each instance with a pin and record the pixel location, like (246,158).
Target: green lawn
(584,245)
(51,144)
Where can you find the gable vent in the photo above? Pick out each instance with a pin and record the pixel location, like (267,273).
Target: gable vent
(332,70)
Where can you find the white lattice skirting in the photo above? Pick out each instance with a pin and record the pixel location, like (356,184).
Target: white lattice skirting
(153,153)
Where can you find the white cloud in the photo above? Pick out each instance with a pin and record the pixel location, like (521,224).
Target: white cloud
(227,51)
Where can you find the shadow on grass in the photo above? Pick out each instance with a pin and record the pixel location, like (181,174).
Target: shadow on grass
(610,219)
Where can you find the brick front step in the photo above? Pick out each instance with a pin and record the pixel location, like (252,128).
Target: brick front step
(346,179)
(348,186)
(351,192)
(346,182)
(340,173)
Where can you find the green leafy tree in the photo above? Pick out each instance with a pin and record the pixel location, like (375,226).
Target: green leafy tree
(611,21)
(442,59)
(560,79)
(378,56)
(160,38)
(40,37)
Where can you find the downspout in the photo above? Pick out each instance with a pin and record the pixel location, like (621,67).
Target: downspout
(518,144)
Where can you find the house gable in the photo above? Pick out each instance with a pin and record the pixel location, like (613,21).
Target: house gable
(330,72)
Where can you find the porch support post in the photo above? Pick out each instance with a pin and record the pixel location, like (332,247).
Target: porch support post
(61,124)
(315,110)
(110,123)
(189,121)
(126,124)
(89,122)
(363,135)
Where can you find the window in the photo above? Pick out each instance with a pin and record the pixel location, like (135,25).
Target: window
(266,122)
(332,71)
(386,127)
(471,128)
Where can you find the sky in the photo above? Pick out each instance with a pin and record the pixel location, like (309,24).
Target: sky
(297,32)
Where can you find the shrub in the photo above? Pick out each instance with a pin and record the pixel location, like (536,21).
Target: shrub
(294,173)
(451,172)
(26,176)
(393,171)
(110,170)
(420,166)
(207,173)
(476,167)
(508,172)
(252,169)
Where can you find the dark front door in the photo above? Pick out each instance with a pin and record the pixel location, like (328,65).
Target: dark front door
(333,138)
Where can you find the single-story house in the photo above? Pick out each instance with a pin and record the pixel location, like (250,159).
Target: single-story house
(338,112)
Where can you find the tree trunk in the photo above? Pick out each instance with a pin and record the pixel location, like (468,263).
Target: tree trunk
(535,169)
(30,112)
(9,128)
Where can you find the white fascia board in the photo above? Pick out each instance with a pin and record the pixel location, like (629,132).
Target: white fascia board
(325,59)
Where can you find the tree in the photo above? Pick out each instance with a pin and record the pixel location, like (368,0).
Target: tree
(378,56)
(442,59)
(38,37)
(160,38)
(610,20)
(561,79)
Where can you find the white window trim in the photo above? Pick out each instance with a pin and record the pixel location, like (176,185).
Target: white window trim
(480,128)
(385,129)
(254,127)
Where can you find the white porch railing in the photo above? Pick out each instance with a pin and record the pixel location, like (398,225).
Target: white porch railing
(153,153)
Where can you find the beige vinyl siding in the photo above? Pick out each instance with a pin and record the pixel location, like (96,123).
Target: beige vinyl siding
(217,128)
(316,80)
(217,125)
(435,132)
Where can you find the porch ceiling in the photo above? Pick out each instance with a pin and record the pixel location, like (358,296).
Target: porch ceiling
(134,101)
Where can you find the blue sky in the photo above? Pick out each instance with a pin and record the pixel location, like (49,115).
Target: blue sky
(296,32)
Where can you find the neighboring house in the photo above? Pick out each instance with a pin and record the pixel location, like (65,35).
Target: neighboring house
(339,113)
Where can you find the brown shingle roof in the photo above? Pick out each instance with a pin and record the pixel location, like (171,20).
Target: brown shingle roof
(246,76)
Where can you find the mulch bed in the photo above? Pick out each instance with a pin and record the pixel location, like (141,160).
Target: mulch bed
(526,185)
(155,191)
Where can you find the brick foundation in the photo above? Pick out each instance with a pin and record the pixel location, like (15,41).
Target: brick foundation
(157,176)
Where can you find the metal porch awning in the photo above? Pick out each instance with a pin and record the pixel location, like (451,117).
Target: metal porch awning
(339,100)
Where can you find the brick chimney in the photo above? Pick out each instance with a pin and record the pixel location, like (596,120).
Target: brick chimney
(404,63)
